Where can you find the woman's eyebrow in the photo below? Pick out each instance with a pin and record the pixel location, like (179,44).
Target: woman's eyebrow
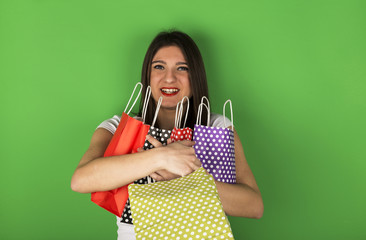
(161,61)
(158,61)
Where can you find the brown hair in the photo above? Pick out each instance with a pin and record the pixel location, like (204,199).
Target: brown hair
(197,73)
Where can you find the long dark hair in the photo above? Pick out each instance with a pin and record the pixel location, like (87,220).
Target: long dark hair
(197,73)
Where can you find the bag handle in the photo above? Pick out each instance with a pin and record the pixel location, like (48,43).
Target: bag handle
(146,102)
(157,111)
(138,95)
(232,117)
(178,119)
(150,179)
(199,114)
(207,101)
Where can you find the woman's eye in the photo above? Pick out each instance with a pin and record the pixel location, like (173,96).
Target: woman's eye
(183,69)
(158,67)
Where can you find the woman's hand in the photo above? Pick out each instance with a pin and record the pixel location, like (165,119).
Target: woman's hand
(180,159)
(154,142)
(161,175)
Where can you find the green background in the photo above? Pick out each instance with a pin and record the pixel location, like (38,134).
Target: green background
(295,71)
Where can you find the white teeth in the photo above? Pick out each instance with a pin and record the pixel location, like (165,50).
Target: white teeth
(169,91)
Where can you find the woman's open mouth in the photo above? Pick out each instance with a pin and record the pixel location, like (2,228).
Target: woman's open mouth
(169,91)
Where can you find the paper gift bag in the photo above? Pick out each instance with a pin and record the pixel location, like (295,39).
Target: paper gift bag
(184,208)
(179,132)
(162,136)
(130,135)
(215,147)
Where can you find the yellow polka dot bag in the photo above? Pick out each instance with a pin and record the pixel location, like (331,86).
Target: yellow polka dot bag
(184,208)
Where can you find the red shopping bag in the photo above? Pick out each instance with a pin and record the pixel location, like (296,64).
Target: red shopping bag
(130,135)
(178,133)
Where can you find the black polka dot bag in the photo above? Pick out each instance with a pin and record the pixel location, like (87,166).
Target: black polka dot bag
(215,146)
(162,136)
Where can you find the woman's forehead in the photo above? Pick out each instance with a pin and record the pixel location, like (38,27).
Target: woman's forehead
(169,52)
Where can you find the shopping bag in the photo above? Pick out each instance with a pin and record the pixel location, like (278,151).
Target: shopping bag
(111,148)
(162,135)
(178,133)
(214,147)
(182,208)
(130,135)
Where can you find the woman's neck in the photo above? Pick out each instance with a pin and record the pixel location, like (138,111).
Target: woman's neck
(166,118)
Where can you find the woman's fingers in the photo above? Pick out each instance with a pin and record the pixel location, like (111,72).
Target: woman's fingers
(180,158)
(166,175)
(197,163)
(187,143)
(157,177)
(153,141)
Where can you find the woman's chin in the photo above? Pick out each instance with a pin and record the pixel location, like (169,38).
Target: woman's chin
(170,106)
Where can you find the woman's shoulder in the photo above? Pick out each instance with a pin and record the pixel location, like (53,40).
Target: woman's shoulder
(111,124)
(218,120)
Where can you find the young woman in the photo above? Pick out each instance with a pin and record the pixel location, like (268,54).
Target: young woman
(173,68)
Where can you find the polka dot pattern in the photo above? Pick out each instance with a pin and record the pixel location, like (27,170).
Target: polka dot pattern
(179,134)
(161,135)
(215,149)
(184,208)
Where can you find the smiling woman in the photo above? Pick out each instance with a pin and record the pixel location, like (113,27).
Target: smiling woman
(173,68)
(183,56)
(169,77)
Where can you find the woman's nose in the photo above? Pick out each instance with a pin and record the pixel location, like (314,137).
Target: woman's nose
(170,76)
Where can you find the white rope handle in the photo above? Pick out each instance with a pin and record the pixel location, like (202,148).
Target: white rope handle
(177,115)
(185,120)
(146,102)
(179,112)
(137,84)
(199,114)
(157,110)
(232,117)
(207,102)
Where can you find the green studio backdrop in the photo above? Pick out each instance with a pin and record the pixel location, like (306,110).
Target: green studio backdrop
(295,71)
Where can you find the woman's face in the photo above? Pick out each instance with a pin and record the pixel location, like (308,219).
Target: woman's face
(169,76)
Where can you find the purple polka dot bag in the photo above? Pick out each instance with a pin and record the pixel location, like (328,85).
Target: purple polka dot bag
(215,146)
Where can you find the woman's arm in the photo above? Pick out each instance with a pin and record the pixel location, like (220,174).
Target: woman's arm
(98,173)
(242,199)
